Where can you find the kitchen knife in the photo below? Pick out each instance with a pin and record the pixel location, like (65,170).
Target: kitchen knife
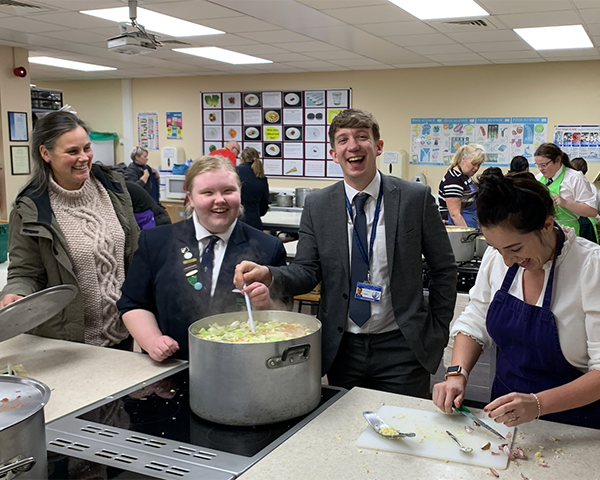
(467,413)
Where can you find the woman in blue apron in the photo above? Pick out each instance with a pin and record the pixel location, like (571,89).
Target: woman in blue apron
(536,299)
(572,193)
(456,194)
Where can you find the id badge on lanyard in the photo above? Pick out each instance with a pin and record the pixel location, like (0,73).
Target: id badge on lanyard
(366,290)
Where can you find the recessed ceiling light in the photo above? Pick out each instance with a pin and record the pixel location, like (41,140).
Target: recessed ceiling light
(222,55)
(438,9)
(59,62)
(156,22)
(555,38)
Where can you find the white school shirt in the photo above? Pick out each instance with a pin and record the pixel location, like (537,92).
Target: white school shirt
(382,314)
(202,235)
(575,187)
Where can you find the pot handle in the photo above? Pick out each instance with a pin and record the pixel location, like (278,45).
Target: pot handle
(305,347)
(292,355)
(20,465)
(470,237)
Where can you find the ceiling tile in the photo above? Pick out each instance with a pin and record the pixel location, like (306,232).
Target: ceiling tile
(426,64)
(335,55)
(329,4)
(26,25)
(500,7)
(358,62)
(545,19)
(370,14)
(518,60)
(498,46)
(508,55)
(240,25)
(439,49)
(587,53)
(455,57)
(485,36)
(192,10)
(461,63)
(288,57)
(397,28)
(420,40)
(276,36)
(312,46)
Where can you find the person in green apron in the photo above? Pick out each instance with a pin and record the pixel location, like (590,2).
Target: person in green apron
(587,225)
(572,194)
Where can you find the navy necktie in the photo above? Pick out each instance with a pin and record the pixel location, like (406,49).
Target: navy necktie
(549,182)
(360,310)
(206,264)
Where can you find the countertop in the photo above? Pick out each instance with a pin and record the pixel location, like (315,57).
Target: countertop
(281,219)
(78,374)
(326,449)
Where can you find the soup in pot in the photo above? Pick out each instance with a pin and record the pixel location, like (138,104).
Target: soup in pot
(241,332)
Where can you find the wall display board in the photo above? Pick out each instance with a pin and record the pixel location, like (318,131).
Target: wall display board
(579,141)
(288,128)
(434,141)
(147,126)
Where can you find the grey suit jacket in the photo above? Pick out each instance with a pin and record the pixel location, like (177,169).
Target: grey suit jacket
(413,227)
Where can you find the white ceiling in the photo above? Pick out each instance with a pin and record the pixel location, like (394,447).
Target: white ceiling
(297,35)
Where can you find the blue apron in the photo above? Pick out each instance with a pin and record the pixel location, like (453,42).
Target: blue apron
(469,213)
(529,355)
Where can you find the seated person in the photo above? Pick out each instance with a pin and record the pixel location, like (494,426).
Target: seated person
(147,212)
(184,271)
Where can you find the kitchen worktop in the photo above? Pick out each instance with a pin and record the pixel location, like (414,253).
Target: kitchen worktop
(284,221)
(78,374)
(326,449)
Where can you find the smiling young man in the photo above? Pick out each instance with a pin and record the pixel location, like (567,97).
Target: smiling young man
(378,331)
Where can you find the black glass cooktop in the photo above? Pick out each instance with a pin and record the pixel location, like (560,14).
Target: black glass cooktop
(162,410)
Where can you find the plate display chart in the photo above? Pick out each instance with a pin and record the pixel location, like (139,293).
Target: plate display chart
(288,128)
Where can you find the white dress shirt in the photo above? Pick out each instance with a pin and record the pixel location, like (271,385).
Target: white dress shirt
(382,315)
(575,187)
(202,235)
(575,300)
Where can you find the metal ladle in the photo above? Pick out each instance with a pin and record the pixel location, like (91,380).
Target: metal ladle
(462,448)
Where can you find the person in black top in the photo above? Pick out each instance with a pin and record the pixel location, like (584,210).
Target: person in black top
(255,188)
(519,164)
(144,175)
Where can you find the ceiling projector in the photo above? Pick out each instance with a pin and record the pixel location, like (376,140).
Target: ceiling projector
(129,44)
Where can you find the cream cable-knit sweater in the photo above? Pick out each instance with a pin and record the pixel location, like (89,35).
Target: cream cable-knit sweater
(96,244)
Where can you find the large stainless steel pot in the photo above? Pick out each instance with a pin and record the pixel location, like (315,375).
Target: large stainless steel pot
(301,194)
(285,200)
(255,383)
(462,241)
(22,428)
(481,245)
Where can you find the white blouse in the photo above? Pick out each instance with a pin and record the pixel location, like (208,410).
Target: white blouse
(575,300)
(575,187)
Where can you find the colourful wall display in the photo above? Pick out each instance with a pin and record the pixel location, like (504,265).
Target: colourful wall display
(288,128)
(579,141)
(435,140)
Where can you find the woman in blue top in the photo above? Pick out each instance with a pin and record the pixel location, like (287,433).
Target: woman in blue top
(455,196)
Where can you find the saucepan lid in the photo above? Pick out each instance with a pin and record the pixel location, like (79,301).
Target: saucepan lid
(20,398)
(33,310)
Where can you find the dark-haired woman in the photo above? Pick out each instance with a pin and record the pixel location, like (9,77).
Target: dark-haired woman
(570,190)
(255,188)
(536,298)
(73,223)
(519,164)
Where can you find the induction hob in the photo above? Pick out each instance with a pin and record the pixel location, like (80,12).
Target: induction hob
(149,431)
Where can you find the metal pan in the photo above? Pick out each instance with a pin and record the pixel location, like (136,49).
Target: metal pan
(33,310)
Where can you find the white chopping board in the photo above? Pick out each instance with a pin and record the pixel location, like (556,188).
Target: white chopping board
(432,441)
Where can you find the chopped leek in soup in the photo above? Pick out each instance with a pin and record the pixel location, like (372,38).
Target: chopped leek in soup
(241,332)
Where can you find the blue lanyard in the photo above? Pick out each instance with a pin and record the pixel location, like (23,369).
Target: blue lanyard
(361,248)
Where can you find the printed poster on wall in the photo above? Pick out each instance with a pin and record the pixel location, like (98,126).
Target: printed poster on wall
(579,141)
(435,140)
(174,125)
(148,130)
(288,128)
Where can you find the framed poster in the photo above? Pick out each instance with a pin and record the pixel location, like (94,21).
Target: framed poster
(19,160)
(17,125)
(287,127)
